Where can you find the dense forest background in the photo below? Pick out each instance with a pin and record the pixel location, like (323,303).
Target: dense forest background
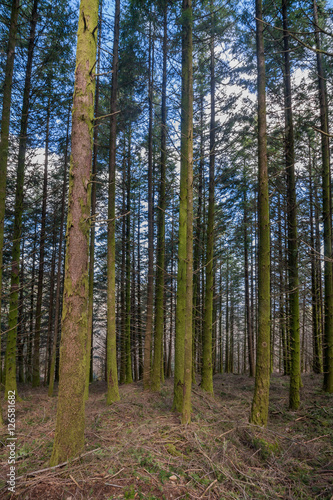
(136,130)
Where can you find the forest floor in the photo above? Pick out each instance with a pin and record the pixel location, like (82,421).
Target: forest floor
(137,449)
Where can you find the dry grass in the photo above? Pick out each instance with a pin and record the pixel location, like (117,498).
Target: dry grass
(139,444)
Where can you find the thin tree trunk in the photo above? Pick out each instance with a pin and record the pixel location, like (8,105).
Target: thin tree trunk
(316,324)
(150,291)
(93,218)
(249,328)
(35,361)
(52,375)
(128,377)
(10,384)
(111,345)
(207,361)
(160,277)
(327,213)
(20,328)
(69,433)
(47,364)
(259,410)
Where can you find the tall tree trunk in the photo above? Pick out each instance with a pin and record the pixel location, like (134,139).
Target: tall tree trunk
(282,321)
(28,376)
(93,218)
(197,319)
(249,328)
(295,367)
(139,292)
(129,377)
(150,291)
(50,324)
(111,344)
(52,375)
(316,323)
(186,173)
(4,137)
(207,361)
(35,361)
(69,434)
(10,384)
(259,410)
(20,326)
(327,213)
(123,273)
(160,275)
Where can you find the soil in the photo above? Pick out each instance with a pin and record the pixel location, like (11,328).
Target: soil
(137,448)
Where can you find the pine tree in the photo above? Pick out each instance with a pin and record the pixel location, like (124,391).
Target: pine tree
(69,434)
(259,410)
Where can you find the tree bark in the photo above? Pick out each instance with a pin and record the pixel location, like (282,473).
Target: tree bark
(4,136)
(207,361)
(186,173)
(259,410)
(69,434)
(327,214)
(295,366)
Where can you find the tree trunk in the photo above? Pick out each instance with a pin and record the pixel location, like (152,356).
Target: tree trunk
(111,345)
(47,365)
(295,374)
(10,384)
(327,214)
(249,328)
(150,291)
(69,434)
(186,173)
(57,300)
(160,278)
(35,360)
(128,377)
(259,410)
(316,323)
(207,361)
(89,375)
(4,137)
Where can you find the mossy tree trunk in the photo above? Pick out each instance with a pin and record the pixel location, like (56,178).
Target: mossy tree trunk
(259,410)
(10,383)
(70,422)
(207,361)
(327,213)
(111,345)
(187,173)
(4,134)
(160,273)
(295,366)
(35,360)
